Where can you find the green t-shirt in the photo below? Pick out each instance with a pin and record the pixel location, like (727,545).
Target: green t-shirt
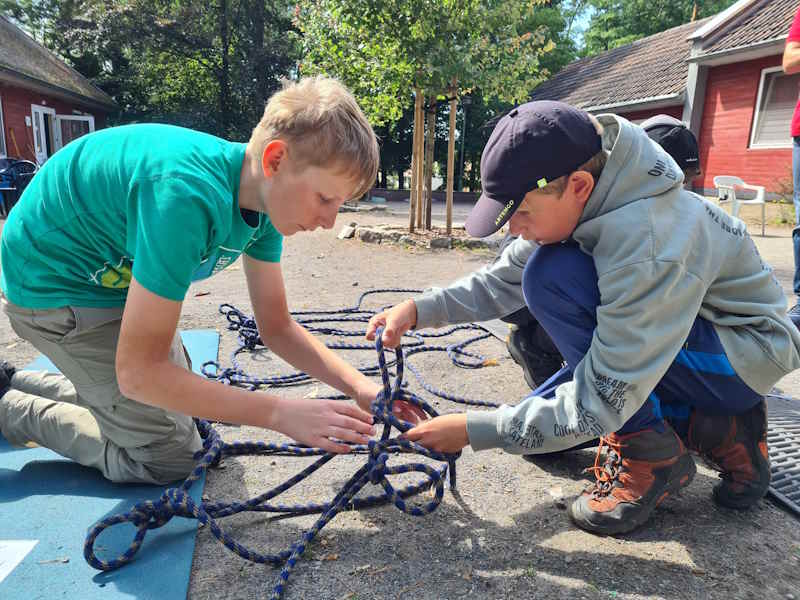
(155,201)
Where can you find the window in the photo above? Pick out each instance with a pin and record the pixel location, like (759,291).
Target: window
(777,97)
(2,131)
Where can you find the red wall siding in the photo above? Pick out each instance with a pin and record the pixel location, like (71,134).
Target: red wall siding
(16,103)
(672,111)
(729,109)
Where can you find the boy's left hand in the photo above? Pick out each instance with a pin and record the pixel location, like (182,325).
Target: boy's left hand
(447,433)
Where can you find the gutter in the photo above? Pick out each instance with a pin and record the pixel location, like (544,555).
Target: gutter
(640,104)
(750,52)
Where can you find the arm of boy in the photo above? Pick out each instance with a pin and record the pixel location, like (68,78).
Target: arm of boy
(296,345)
(145,374)
(489,293)
(791,58)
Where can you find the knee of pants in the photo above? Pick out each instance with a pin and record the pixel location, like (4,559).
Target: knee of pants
(558,273)
(169,460)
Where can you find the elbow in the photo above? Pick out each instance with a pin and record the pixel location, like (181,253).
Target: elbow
(130,380)
(275,327)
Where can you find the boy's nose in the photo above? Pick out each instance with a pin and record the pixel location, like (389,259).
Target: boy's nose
(328,221)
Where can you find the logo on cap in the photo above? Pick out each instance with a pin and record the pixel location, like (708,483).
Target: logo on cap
(503,212)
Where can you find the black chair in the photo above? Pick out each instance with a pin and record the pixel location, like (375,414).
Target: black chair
(14,178)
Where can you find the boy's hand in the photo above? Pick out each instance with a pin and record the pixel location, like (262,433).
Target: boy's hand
(395,322)
(447,433)
(314,422)
(401,409)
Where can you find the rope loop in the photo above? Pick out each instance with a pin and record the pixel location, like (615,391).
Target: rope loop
(178,502)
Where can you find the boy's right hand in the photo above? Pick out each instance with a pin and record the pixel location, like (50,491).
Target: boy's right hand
(395,322)
(314,422)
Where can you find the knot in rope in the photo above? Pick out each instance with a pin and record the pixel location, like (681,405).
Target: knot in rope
(177,501)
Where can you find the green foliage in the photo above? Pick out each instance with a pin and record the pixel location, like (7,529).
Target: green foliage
(383,49)
(618,22)
(207,66)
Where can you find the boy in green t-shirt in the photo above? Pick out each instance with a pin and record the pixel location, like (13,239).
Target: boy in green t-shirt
(100,251)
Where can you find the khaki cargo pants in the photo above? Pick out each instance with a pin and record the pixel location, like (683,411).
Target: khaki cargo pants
(82,414)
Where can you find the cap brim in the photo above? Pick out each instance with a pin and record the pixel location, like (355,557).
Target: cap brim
(482,220)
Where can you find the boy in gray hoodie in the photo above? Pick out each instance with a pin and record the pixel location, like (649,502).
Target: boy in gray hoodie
(658,301)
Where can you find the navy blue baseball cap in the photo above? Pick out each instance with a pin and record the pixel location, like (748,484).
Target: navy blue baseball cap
(531,146)
(673,135)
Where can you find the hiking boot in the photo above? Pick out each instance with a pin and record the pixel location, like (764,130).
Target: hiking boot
(537,365)
(641,469)
(736,445)
(794,315)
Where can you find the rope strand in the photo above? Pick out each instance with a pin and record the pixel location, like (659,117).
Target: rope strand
(176,501)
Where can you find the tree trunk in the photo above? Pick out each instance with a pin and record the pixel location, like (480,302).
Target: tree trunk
(224,73)
(400,176)
(420,160)
(413,200)
(429,164)
(451,156)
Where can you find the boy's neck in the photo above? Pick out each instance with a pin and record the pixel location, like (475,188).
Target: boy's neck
(252,190)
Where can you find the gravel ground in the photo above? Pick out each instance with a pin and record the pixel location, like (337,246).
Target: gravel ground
(504,532)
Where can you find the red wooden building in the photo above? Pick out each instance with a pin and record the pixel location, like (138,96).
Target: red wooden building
(44,104)
(721,75)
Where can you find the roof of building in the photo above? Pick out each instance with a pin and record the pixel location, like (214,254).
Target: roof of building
(22,55)
(762,21)
(648,69)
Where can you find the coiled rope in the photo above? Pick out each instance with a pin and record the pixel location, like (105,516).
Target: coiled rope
(176,501)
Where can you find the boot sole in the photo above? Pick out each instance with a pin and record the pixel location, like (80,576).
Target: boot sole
(610,526)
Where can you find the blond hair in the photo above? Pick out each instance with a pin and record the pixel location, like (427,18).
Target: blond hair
(323,126)
(594,166)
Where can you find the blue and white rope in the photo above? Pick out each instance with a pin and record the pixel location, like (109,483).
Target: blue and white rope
(176,501)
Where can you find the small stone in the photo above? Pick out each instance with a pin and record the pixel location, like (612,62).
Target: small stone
(441,242)
(347,232)
(370,236)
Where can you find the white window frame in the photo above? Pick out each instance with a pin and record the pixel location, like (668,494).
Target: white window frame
(73,117)
(756,114)
(3,149)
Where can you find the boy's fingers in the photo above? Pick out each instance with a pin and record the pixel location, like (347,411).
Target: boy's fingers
(351,410)
(414,434)
(355,425)
(348,435)
(373,324)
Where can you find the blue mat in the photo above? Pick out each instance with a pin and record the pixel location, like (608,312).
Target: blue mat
(48,498)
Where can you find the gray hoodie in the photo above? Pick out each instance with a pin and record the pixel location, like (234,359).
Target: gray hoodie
(663,256)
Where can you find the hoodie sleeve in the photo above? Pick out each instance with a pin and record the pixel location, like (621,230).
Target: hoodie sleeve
(489,293)
(641,326)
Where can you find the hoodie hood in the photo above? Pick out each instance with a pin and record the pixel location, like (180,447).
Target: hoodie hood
(636,168)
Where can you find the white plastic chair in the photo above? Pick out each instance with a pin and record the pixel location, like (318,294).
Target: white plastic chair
(726,192)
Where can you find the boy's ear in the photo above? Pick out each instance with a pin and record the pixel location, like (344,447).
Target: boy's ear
(273,156)
(582,184)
